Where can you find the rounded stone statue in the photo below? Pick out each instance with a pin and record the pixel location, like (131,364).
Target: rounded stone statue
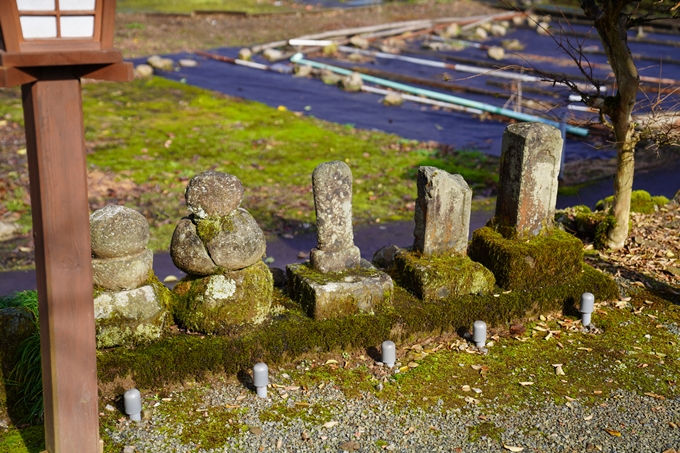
(218,236)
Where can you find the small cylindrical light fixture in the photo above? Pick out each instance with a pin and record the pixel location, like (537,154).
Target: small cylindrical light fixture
(261,378)
(132,400)
(587,307)
(389,353)
(479,334)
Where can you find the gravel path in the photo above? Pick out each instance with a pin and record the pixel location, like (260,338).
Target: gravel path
(365,423)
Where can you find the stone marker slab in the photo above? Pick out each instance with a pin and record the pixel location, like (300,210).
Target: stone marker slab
(335,250)
(529,167)
(437,277)
(442,212)
(360,290)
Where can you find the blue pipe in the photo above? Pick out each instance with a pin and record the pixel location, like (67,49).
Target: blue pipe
(298,58)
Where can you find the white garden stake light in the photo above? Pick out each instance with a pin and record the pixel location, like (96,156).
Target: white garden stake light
(389,353)
(261,378)
(479,334)
(133,404)
(587,307)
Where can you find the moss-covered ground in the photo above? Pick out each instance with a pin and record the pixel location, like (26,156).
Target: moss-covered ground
(634,349)
(187,7)
(146,139)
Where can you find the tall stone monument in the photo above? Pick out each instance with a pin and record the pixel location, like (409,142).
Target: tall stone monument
(520,245)
(335,250)
(530,164)
(220,246)
(130,304)
(336,281)
(437,267)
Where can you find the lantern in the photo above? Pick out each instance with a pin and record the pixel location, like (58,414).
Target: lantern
(55,33)
(47,46)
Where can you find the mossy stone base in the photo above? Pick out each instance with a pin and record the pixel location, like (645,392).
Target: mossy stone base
(225,302)
(16,325)
(335,294)
(436,277)
(131,317)
(549,259)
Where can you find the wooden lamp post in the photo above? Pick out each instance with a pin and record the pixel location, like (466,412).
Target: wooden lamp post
(47,46)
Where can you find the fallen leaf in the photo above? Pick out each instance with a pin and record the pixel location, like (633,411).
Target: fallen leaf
(331,362)
(465,388)
(585,349)
(526,383)
(654,395)
(512,448)
(589,417)
(330,424)
(613,432)
(170,278)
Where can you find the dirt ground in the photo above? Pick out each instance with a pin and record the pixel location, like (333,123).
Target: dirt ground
(143,34)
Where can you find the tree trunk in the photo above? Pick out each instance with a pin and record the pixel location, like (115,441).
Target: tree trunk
(611,25)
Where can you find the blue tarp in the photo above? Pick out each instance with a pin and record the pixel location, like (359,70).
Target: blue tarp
(415,121)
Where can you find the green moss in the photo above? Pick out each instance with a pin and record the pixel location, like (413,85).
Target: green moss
(587,225)
(208,228)
(179,357)
(640,201)
(541,261)
(314,414)
(432,277)
(25,440)
(226,302)
(486,430)
(630,354)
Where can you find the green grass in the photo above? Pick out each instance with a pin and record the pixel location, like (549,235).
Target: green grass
(157,134)
(188,6)
(27,373)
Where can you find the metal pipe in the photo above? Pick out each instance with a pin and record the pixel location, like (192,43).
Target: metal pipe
(579,131)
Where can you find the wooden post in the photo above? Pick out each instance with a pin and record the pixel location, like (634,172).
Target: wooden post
(56,160)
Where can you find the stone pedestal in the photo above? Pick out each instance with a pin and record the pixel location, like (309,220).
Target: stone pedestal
(436,277)
(135,316)
(553,258)
(226,302)
(363,289)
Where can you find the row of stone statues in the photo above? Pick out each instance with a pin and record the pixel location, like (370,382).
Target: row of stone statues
(228,286)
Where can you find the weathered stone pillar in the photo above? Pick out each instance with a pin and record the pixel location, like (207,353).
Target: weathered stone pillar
(437,266)
(519,244)
(335,250)
(527,193)
(442,212)
(336,281)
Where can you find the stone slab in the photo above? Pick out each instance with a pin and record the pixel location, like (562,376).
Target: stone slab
(442,212)
(437,277)
(529,167)
(330,295)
